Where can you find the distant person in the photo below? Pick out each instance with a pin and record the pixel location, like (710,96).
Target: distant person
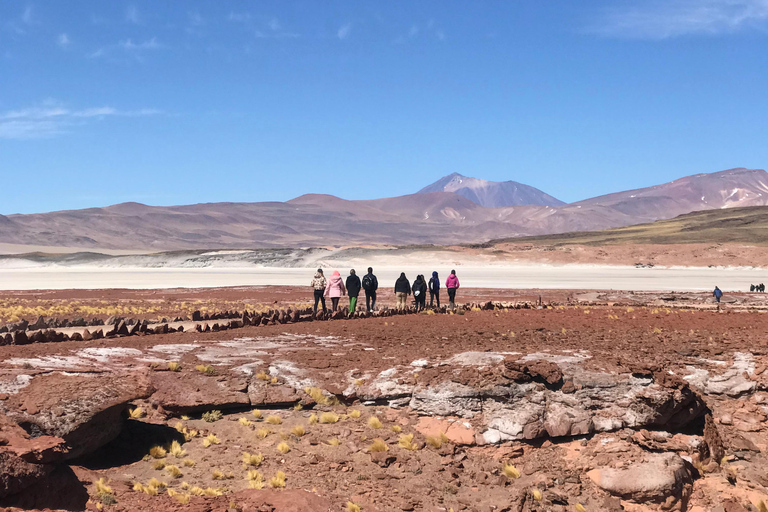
(318,284)
(752,287)
(370,285)
(762,288)
(419,289)
(353,290)
(717,293)
(335,289)
(452,284)
(402,291)
(434,290)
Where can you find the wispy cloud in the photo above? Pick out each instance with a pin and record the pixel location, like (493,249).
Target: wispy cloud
(53,119)
(26,16)
(128,46)
(662,19)
(429,29)
(132,15)
(63,40)
(344,31)
(239,17)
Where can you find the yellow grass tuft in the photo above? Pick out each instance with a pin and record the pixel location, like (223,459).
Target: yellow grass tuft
(254,475)
(179,426)
(333,442)
(212,416)
(220,475)
(511,471)
(185,417)
(762,507)
(329,417)
(354,414)
(277,481)
(174,471)
(154,482)
(378,445)
(263,432)
(189,434)
(312,419)
(184,486)
(182,498)
(245,422)
(176,450)
(352,507)
(158,452)
(212,492)
(197,491)
(256,414)
(138,487)
(298,431)
(273,380)
(174,366)
(319,397)
(255,484)
(102,487)
(284,436)
(210,439)
(283,448)
(396,429)
(136,413)
(374,422)
(188,463)
(206,369)
(406,442)
(434,441)
(536,494)
(262,375)
(158,464)
(298,406)
(580,508)
(274,420)
(254,459)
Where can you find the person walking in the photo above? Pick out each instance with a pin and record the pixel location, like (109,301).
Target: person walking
(335,289)
(353,290)
(434,290)
(717,293)
(452,284)
(420,292)
(370,285)
(402,291)
(318,284)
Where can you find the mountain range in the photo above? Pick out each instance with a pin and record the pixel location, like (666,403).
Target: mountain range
(450,211)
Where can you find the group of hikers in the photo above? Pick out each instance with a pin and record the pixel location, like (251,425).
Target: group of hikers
(757,288)
(335,288)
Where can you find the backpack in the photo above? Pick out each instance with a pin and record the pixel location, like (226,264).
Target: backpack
(367,282)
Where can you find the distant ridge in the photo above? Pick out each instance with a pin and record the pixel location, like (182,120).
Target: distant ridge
(492,194)
(316,220)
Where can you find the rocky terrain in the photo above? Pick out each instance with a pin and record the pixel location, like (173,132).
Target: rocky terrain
(578,401)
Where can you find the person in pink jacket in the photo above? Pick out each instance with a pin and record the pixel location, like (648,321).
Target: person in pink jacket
(335,289)
(452,284)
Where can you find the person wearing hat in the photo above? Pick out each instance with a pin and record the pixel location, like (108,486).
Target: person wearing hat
(353,289)
(318,284)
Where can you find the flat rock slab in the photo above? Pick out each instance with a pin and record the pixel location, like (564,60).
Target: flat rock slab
(457,431)
(185,392)
(85,410)
(661,478)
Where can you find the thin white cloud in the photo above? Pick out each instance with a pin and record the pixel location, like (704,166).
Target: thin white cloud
(344,31)
(63,40)
(127,46)
(51,119)
(132,15)
(274,25)
(239,17)
(26,16)
(662,19)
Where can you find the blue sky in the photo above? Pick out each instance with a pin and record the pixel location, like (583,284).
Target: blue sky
(168,102)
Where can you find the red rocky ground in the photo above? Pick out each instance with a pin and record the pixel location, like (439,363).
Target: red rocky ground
(603,401)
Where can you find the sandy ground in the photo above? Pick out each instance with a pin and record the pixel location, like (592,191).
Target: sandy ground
(596,277)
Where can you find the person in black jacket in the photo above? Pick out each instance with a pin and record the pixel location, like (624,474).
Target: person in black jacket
(353,289)
(402,291)
(370,285)
(434,290)
(420,292)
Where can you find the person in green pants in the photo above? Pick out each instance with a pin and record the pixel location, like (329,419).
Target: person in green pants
(353,289)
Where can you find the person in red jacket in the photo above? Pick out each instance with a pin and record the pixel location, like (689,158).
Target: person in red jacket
(452,284)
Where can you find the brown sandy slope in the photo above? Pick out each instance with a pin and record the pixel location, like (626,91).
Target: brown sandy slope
(317,220)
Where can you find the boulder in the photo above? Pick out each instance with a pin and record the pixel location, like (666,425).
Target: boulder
(661,478)
(188,392)
(86,411)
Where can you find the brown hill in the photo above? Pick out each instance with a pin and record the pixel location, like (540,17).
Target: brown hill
(322,220)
